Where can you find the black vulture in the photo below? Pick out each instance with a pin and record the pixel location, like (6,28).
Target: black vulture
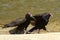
(21,24)
(41,21)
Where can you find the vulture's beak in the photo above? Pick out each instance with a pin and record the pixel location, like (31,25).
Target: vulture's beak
(51,14)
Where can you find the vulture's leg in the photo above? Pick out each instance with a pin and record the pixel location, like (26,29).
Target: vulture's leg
(31,30)
(44,28)
(25,30)
(38,31)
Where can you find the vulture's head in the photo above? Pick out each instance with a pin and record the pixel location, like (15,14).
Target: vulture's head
(46,16)
(30,17)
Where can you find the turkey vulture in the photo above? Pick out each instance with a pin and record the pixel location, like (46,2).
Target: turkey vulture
(41,21)
(21,24)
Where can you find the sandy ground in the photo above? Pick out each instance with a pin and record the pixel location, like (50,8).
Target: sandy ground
(47,36)
(5,31)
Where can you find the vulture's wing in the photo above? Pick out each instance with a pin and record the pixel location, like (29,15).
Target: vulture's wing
(15,23)
(19,21)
